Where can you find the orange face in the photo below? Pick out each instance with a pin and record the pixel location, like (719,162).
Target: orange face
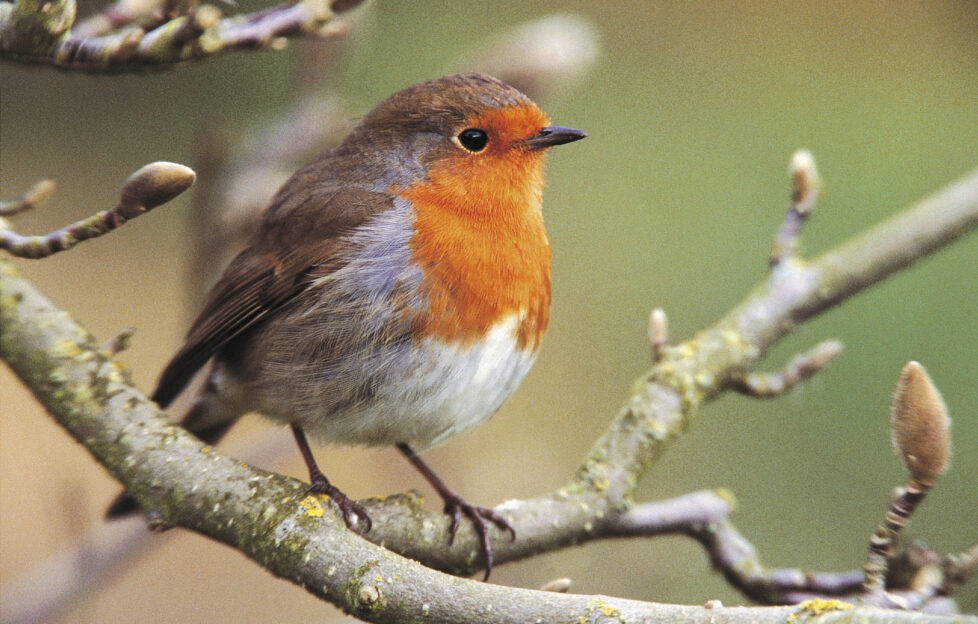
(479,234)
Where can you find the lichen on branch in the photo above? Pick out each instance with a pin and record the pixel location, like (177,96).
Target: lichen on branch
(40,31)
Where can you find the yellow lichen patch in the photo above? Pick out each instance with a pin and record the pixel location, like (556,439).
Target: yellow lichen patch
(610,611)
(312,507)
(820,606)
(66,349)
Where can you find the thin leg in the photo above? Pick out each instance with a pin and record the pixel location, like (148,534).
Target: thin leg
(352,511)
(455,506)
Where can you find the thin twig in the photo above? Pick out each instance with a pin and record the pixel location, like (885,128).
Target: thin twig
(118,343)
(35,31)
(147,188)
(658,333)
(959,568)
(805,185)
(147,14)
(801,367)
(887,535)
(737,559)
(33,198)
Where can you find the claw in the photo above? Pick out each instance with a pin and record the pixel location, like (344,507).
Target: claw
(319,484)
(455,511)
(353,512)
(455,507)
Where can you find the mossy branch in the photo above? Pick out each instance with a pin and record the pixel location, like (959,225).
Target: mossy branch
(259,513)
(266,517)
(717,359)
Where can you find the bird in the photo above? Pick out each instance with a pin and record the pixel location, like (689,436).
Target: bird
(395,291)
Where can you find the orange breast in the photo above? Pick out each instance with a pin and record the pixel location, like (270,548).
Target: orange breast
(480,240)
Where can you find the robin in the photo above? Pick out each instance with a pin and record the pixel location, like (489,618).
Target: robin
(396,289)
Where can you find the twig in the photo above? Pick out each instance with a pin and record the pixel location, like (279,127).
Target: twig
(805,185)
(118,343)
(33,198)
(881,545)
(703,517)
(147,14)
(147,188)
(558,585)
(36,31)
(800,368)
(921,435)
(737,559)
(684,514)
(700,369)
(959,568)
(658,333)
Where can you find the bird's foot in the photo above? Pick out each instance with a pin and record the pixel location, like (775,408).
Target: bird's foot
(480,517)
(353,512)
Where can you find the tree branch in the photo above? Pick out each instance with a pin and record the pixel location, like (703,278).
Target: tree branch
(39,31)
(717,358)
(255,511)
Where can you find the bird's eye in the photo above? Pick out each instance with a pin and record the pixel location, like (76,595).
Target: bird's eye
(473,139)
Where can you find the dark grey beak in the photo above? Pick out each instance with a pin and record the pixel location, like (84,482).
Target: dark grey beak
(553,135)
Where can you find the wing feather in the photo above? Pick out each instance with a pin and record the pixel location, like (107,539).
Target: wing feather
(296,236)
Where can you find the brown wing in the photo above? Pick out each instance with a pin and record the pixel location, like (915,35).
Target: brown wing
(299,232)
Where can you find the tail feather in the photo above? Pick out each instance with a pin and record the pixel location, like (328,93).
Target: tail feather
(176,376)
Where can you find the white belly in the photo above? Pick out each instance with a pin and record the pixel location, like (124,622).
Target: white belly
(442,391)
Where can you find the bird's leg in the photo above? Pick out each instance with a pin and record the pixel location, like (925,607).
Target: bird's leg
(455,506)
(352,510)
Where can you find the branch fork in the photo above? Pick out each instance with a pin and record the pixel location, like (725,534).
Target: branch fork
(255,511)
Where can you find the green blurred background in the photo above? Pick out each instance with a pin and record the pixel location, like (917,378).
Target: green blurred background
(693,110)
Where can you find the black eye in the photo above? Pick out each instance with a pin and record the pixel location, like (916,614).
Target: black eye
(473,139)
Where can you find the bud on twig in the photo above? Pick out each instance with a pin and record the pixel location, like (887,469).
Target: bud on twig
(153,185)
(149,187)
(921,435)
(920,425)
(805,185)
(558,585)
(658,333)
(805,182)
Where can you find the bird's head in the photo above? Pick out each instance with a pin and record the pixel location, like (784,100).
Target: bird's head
(470,140)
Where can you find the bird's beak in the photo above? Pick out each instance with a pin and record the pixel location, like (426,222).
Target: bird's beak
(553,135)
